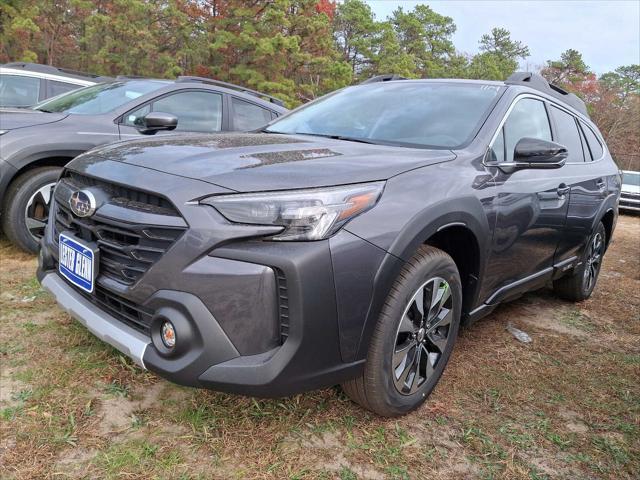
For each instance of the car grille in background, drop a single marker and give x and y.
(127, 250)
(630, 201)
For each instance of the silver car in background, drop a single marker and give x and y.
(630, 194)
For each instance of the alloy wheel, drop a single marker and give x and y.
(36, 212)
(422, 335)
(594, 259)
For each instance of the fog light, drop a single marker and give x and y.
(168, 334)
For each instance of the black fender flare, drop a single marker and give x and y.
(44, 154)
(608, 205)
(465, 211)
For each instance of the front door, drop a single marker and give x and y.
(531, 208)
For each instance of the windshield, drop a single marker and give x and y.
(100, 98)
(631, 178)
(412, 114)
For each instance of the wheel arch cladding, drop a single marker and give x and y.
(436, 225)
(461, 244)
(608, 222)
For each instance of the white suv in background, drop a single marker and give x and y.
(630, 194)
(25, 84)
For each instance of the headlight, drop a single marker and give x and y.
(311, 214)
(2, 132)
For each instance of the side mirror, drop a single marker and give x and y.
(153, 122)
(535, 153)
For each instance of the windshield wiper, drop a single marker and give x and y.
(43, 110)
(338, 137)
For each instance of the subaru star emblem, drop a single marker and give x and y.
(82, 203)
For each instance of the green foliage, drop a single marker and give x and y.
(571, 68)
(296, 50)
(356, 33)
(626, 79)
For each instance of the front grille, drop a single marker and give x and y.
(123, 310)
(283, 304)
(123, 196)
(127, 250)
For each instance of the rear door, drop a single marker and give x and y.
(587, 179)
(531, 206)
(196, 110)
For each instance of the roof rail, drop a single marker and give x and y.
(40, 68)
(219, 83)
(538, 82)
(383, 78)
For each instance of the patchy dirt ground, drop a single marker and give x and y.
(566, 405)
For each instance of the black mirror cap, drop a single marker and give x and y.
(155, 121)
(539, 153)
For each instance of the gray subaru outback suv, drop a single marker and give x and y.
(345, 243)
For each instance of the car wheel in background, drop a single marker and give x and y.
(414, 336)
(26, 207)
(580, 284)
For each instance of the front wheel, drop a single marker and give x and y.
(580, 284)
(26, 208)
(414, 336)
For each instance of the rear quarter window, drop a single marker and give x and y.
(248, 116)
(594, 144)
(57, 88)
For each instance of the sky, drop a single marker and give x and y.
(606, 32)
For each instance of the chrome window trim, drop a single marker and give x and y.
(502, 122)
(583, 125)
(522, 96)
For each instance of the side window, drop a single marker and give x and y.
(248, 116)
(57, 88)
(527, 119)
(196, 111)
(594, 144)
(568, 134)
(19, 91)
(496, 152)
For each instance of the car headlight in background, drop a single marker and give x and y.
(311, 214)
(2, 132)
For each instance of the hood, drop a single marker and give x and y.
(11, 118)
(259, 161)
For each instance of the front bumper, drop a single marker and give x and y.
(227, 291)
(107, 328)
(309, 359)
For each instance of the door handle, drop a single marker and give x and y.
(563, 189)
(600, 183)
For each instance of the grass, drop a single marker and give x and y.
(76, 408)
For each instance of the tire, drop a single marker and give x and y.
(29, 190)
(381, 388)
(579, 285)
